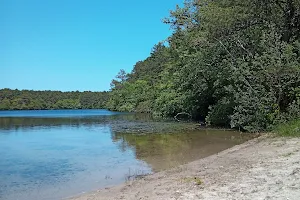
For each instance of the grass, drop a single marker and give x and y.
(195, 180)
(290, 129)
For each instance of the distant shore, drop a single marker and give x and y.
(262, 168)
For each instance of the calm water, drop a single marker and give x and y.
(57, 154)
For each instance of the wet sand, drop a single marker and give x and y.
(262, 168)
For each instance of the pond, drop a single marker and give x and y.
(62, 153)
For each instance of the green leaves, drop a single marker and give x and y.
(37, 100)
(230, 62)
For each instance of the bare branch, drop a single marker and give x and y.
(182, 113)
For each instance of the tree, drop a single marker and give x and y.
(230, 62)
(36, 100)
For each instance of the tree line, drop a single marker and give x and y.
(45, 100)
(229, 62)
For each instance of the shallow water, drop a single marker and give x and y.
(57, 154)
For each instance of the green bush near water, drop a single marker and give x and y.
(289, 129)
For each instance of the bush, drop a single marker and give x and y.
(289, 129)
(219, 114)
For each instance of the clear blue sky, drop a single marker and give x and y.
(76, 44)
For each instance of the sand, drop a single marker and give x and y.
(262, 168)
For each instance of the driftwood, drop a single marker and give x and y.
(182, 113)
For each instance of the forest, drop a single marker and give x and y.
(232, 63)
(48, 100)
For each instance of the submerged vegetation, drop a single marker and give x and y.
(230, 63)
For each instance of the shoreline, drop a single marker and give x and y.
(261, 168)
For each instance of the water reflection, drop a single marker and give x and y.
(163, 151)
(56, 156)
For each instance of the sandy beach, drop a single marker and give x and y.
(262, 168)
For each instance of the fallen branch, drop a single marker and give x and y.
(182, 113)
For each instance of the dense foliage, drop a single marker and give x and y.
(37, 100)
(289, 129)
(231, 62)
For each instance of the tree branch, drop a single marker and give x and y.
(182, 113)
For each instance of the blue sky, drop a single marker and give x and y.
(76, 44)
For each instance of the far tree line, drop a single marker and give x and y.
(47, 100)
